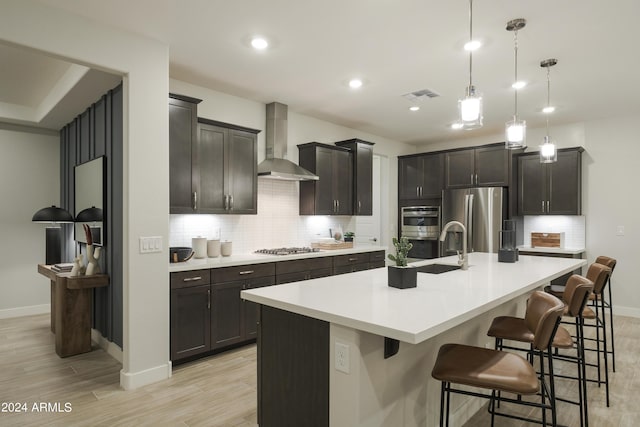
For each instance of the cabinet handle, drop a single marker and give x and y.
(246, 272)
(417, 191)
(192, 279)
(208, 299)
(543, 206)
(547, 206)
(353, 259)
(338, 203)
(230, 202)
(476, 179)
(359, 206)
(195, 200)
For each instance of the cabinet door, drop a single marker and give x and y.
(409, 177)
(532, 193)
(432, 173)
(190, 321)
(251, 309)
(460, 169)
(342, 182)
(242, 172)
(210, 166)
(226, 314)
(363, 196)
(492, 167)
(324, 186)
(182, 129)
(564, 181)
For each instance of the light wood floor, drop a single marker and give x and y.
(216, 391)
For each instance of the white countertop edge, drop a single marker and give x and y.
(253, 258)
(568, 251)
(401, 335)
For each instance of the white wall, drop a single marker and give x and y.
(144, 64)
(29, 181)
(231, 109)
(609, 181)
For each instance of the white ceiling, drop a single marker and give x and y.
(396, 46)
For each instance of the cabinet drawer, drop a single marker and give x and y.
(377, 264)
(186, 279)
(350, 259)
(350, 268)
(242, 272)
(297, 265)
(377, 256)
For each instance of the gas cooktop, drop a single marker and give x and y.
(287, 251)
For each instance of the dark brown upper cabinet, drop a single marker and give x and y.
(550, 188)
(362, 166)
(486, 166)
(420, 176)
(331, 194)
(183, 121)
(212, 165)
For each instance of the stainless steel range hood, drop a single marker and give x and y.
(275, 165)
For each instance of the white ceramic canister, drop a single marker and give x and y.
(213, 248)
(225, 248)
(199, 245)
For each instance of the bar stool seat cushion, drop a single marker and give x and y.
(588, 313)
(485, 368)
(515, 329)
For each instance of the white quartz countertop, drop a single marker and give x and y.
(568, 251)
(363, 301)
(253, 258)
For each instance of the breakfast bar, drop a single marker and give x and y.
(321, 342)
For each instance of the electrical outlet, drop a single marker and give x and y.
(620, 230)
(342, 357)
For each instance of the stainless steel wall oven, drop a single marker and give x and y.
(421, 225)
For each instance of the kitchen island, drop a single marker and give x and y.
(321, 343)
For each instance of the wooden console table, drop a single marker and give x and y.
(71, 309)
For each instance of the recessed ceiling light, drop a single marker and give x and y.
(355, 83)
(549, 109)
(456, 125)
(519, 84)
(259, 43)
(472, 45)
(414, 108)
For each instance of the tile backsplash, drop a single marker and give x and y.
(277, 223)
(573, 227)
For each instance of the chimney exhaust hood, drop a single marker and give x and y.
(275, 165)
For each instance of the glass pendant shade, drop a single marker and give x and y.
(516, 133)
(470, 109)
(548, 152)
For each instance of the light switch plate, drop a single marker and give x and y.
(150, 244)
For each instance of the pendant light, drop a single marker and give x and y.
(470, 107)
(516, 130)
(548, 152)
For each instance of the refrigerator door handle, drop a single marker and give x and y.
(470, 223)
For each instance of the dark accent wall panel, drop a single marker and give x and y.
(98, 132)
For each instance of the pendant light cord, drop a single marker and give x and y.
(470, 39)
(548, 99)
(515, 49)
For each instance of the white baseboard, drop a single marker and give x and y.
(31, 310)
(626, 311)
(133, 380)
(111, 348)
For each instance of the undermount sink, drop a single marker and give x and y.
(437, 268)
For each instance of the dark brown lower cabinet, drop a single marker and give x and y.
(190, 321)
(358, 262)
(562, 280)
(303, 269)
(293, 370)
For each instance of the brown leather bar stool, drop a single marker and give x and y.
(501, 371)
(575, 297)
(608, 304)
(599, 274)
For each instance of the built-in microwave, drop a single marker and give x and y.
(421, 222)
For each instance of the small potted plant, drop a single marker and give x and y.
(400, 275)
(348, 236)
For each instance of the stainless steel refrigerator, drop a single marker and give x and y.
(481, 210)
